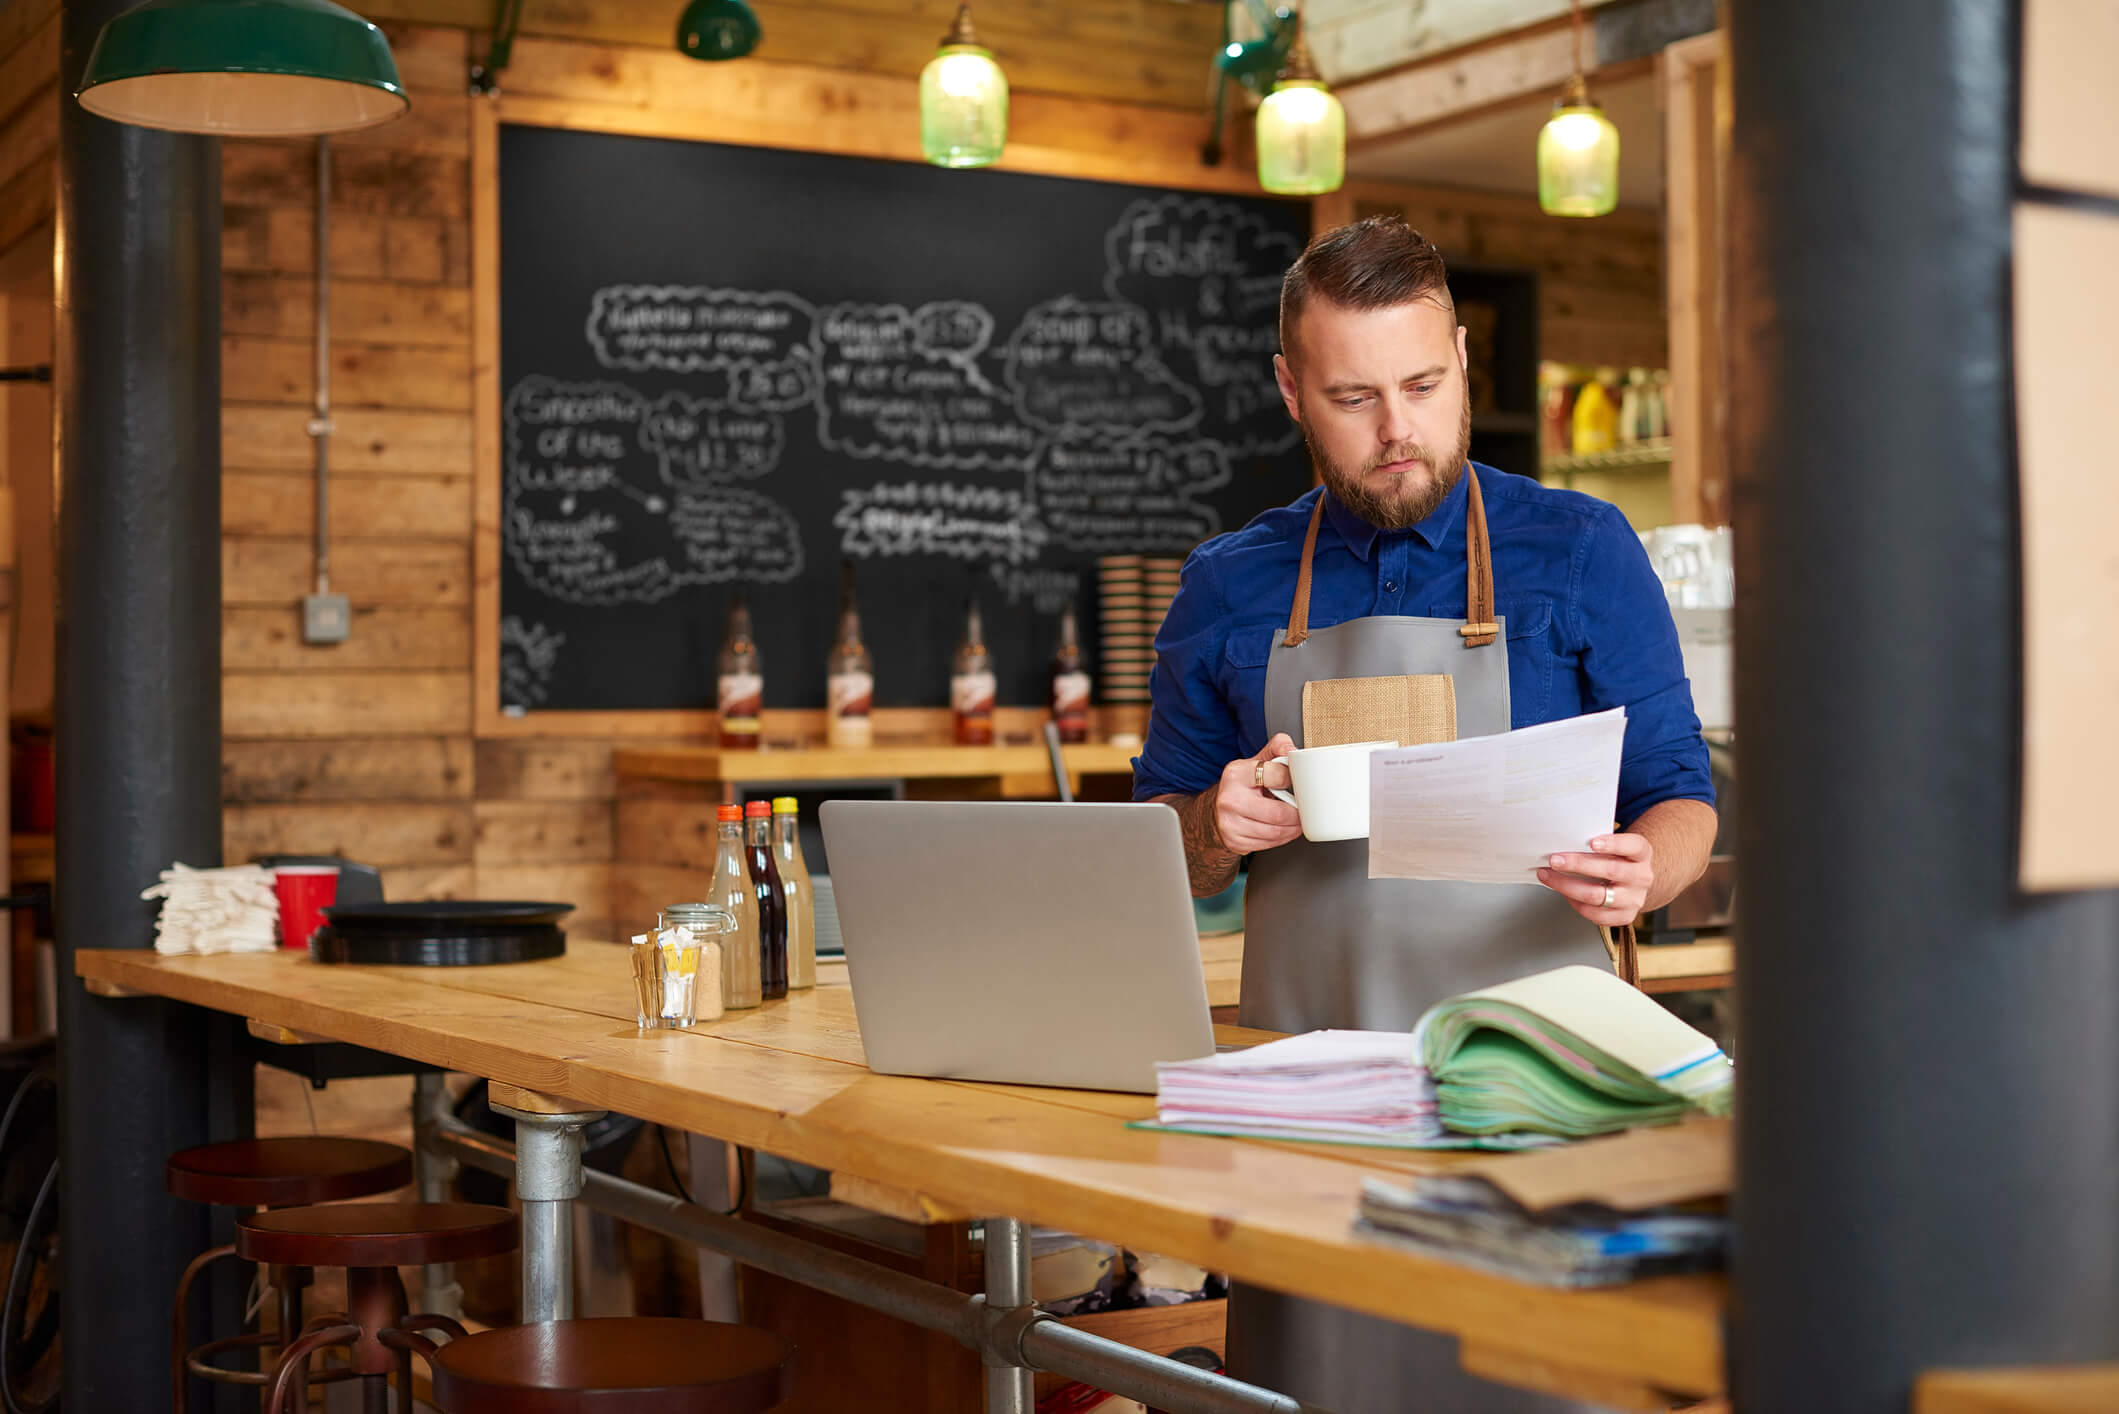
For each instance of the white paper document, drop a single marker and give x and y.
(1494, 809)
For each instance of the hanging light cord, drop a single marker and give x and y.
(1576, 7)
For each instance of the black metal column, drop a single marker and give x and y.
(1929, 1061)
(138, 714)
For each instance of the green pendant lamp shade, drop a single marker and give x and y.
(717, 29)
(1578, 157)
(263, 68)
(1578, 149)
(963, 101)
(1301, 131)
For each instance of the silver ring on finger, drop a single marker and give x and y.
(1607, 895)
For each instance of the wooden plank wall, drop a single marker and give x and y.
(29, 118)
(366, 747)
(1600, 283)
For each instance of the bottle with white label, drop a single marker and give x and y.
(1070, 681)
(849, 675)
(741, 682)
(972, 686)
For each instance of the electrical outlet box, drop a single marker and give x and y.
(326, 618)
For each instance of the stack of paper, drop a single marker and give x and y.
(1604, 1210)
(1350, 1086)
(1570, 1052)
(1469, 1220)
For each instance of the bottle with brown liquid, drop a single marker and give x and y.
(972, 686)
(849, 675)
(741, 682)
(1070, 681)
(772, 900)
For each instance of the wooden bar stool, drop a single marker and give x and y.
(605, 1365)
(267, 1173)
(371, 1241)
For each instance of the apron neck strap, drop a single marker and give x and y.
(1299, 616)
(1479, 626)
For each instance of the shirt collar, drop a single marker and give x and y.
(1360, 535)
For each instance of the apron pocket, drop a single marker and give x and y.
(1528, 623)
(1411, 710)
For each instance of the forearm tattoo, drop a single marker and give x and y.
(1210, 863)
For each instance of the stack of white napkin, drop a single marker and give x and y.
(216, 910)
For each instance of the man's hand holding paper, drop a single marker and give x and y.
(1517, 808)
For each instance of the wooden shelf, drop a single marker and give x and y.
(876, 763)
(1642, 456)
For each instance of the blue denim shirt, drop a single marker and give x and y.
(1588, 628)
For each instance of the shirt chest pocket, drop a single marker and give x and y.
(1242, 679)
(1531, 655)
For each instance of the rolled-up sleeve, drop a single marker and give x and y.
(1192, 733)
(1630, 658)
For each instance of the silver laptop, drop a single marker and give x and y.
(1036, 943)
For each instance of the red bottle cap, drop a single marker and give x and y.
(756, 810)
(729, 812)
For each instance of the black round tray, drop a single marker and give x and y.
(443, 915)
(463, 945)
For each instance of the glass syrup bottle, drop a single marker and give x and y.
(1070, 681)
(772, 899)
(801, 896)
(742, 972)
(972, 686)
(849, 675)
(740, 683)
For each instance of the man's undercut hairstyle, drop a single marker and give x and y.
(1378, 262)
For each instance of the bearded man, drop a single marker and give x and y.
(1475, 593)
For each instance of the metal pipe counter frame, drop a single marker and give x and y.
(1010, 1334)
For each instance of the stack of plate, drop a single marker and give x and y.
(1127, 636)
(1158, 582)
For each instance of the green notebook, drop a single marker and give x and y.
(1571, 1052)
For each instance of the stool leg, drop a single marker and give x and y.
(289, 1282)
(290, 1369)
(548, 1180)
(180, 1325)
(431, 1171)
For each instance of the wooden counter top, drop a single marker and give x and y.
(875, 763)
(789, 1078)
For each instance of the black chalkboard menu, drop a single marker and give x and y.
(727, 367)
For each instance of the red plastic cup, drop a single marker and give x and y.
(305, 891)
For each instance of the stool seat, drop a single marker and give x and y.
(377, 1234)
(615, 1365)
(285, 1173)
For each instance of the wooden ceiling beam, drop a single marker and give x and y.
(1524, 65)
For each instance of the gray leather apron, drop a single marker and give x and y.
(1327, 946)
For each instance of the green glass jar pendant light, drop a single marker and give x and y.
(717, 29)
(1578, 149)
(963, 101)
(262, 68)
(1301, 130)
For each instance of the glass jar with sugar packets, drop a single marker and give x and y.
(677, 968)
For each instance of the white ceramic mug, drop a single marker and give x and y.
(1331, 789)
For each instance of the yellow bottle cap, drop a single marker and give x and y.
(783, 805)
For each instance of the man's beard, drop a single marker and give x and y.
(1416, 494)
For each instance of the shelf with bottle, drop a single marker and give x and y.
(1585, 411)
(1641, 456)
